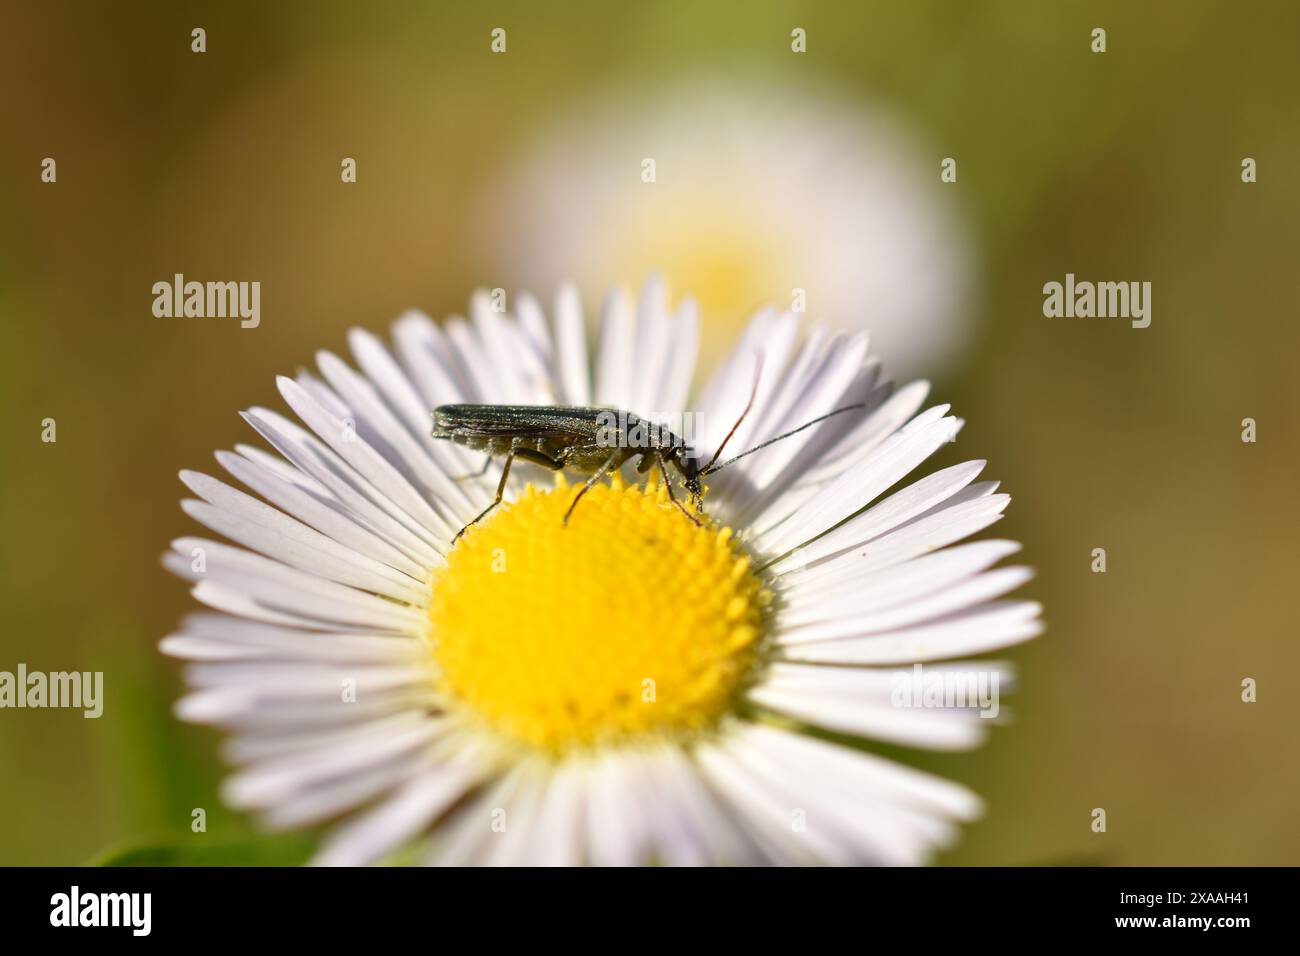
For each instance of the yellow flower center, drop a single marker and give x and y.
(629, 622)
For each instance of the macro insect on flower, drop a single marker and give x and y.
(597, 441)
(642, 684)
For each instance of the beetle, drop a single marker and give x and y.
(591, 440)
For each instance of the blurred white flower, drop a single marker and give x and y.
(761, 188)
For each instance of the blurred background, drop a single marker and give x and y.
(775, 171)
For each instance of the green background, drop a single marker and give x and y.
(1122, 165)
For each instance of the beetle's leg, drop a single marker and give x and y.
(604, 470)
(527, 454)
(539, 458)
(668, 484)
(487, 463)
(501, 490)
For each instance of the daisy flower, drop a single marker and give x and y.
(633, 686)
(762, 186)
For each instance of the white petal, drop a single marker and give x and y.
(898, 508)
(681, 363)
(893, 414)
(400, 447)
(571, 348)
(669, 796)
(463, 839)
(400, 817)
(731, 384)
(862, 824)
(614, 360)
(858, 487)
(265, 784)
(232, 601)
(281, 588)
(368, 463)
(847, 615)
(965, 513)
(803, 592)
(501, 348)
(328, 799)
(870, 775)
(288, 472)
(988, 627)
(262, 528)
(398, 391)
(877, 718)
(423, 351)
(278, 744)
(292, 680)
(556, 834)
(818, 383)
(766, 359)
(512, 845)
(263, 642)
(363, 501)
(681, 783)
(763, 810)
(245, 709)
(324, 517)
(651, 349)
(617, 831)
(485, 384)
(834, 452)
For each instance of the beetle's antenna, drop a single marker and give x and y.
(711, 469)
(753, 393)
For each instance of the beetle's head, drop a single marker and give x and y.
(692, 477)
